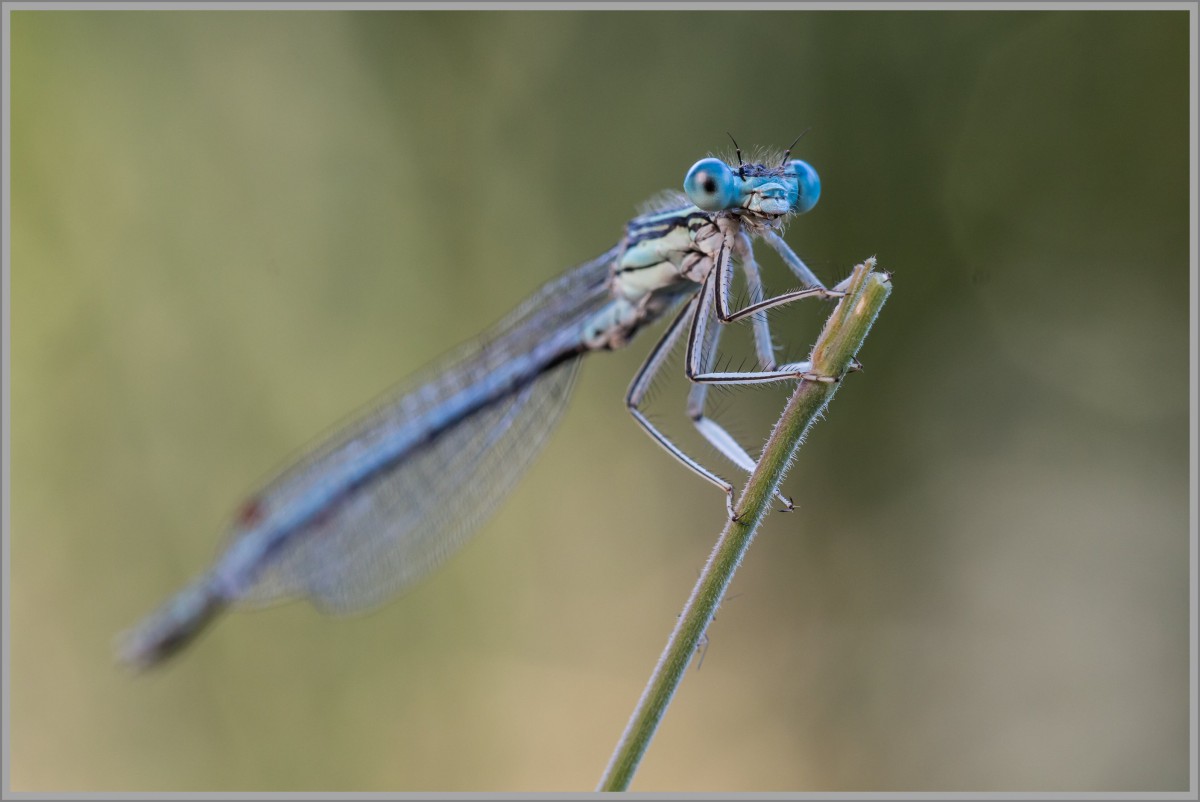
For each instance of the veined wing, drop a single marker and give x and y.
(463, 430)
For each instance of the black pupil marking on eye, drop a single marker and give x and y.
(710, 184)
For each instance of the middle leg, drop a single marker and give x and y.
(695, 368)
(716, 434)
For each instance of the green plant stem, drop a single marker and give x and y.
(833, 355)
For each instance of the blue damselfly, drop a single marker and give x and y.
(385, 500)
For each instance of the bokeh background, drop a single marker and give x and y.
(230, 230)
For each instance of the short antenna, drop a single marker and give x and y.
(788, 152)
(738, 151)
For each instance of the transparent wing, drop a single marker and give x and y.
(405, 524)
(384, 534)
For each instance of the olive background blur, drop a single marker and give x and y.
(232, 230)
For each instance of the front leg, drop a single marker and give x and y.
(694, 366)
(724, 278)
(794, 262)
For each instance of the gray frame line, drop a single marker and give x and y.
(1192, 6)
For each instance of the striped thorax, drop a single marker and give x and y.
(666, 254)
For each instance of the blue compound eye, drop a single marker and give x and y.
(711, 185)
(809, 184)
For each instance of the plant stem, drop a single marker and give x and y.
(833, 355)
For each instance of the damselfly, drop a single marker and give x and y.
(389, 497)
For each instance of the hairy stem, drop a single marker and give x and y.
(833, 355)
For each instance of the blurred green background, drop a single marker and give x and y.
(230, 230)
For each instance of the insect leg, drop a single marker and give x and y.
(713, 432)
(694, 366)
(764, 346)
(641, 384)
